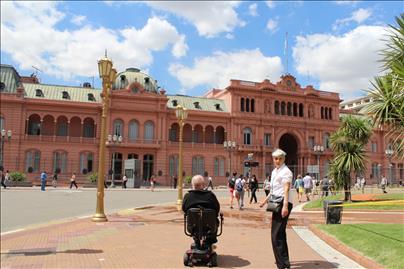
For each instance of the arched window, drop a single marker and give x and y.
(295, 110)
(218, 166)
(173, 165)
(61, 126)
(252, 105)
(88, 128)
(242, 104)
(86, 162)
(326, 140)
(277, 107)
(290, 109)
(301, 110)
(32, 161)
(247, 104)
(133, 131)
(283, 108)
(322, 112)
(330, 113)
(247, 136)
(34, 125)
(60, 161)
(149, 131)
(118, 127)
(326, 113)
(198, 165)
(174, 132)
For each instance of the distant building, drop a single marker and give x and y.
(57, 128)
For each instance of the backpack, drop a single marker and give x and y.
(317, 183)
(239, 186)
(232, 181)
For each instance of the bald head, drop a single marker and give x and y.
(198, 182)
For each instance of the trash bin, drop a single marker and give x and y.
(332, 211)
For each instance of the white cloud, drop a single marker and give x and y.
(352, 3)
(78, 19)
(217, 70)
(272, 25)
(270, 4)
(345, 63)
(57, 52)
(252, 10)
(229, 36)
(357, 16)
(210, 18)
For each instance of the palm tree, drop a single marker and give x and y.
(348, 144)
(387, 107)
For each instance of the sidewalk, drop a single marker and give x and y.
(150, 238)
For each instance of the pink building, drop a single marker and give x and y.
(57, 128)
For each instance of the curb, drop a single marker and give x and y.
(344, 249)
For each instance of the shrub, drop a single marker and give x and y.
(92, 177)
(188, 179)
(17, 176)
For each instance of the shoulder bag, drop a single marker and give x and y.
(275, 203)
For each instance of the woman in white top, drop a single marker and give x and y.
(281, 180)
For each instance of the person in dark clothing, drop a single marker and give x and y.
(175, 179)
(199, 197)
(253, 185)
(3, 179)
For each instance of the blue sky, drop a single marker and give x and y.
(191, 47)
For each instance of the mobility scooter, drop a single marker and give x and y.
(200, 224)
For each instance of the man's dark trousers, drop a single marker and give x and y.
(278, 235)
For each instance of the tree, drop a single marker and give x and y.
(348, 144)
(387, 107)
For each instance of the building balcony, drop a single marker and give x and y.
(140, 143)
(196, 145)
(61, 139)
(250, 148)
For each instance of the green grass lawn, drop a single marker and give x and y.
(318, 204)
(383, 243)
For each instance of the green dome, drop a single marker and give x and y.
(131, 75)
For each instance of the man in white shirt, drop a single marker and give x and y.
(281, 180)
(307, 185)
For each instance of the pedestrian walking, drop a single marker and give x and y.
(210, 183)
(363, 184)
(299, 186)
(124, 180)
(383, 184)
(281, 186)
(152, 182)
(54, 180)
(240, 191)
(3, 179)
(73, 181)
(43, 180)
(231, 184)
(308, 185)
(332, 186)
(325, 186)
(175, 179)
(267, 185)
(253, 185)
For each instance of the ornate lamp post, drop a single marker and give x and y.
(318, 150)
(389, 153)
(5, 135)
(114, 140)
(182, 115)
(107, 74)
(229, 146)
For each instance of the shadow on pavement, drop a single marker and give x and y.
(50, 251)
(313, 264)
(230, 261)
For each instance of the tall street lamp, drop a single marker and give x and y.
(229, 146)
(389, 153)
(112, 141)
(5, 135)
(318, 150)
(107, 74)
(182, 115)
